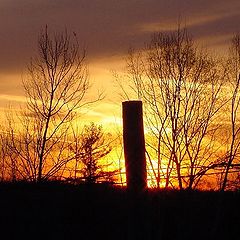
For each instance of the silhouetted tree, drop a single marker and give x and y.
(233, 148)
(180, 87)
(90, 147)
(9, 162)
(3, 154)
(55, 89)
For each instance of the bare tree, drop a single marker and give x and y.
(9, 170)
(233, 149)
(55, 89)
(3, 154)
(180, 87)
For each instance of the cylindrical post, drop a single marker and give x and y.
(134, 145)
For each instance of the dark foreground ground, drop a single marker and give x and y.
(60, 211)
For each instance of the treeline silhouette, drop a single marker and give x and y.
(55, 210)
(41, 141)
(191, 112)
(191, 106)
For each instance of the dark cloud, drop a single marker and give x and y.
(106, 27)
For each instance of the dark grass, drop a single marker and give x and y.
(63, 211)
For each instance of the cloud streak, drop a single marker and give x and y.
(107, 28)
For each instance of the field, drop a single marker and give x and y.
(64, 211)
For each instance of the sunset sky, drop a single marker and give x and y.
(106, 28)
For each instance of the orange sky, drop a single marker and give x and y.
(107, 29)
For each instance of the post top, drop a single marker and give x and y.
(132, 102)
